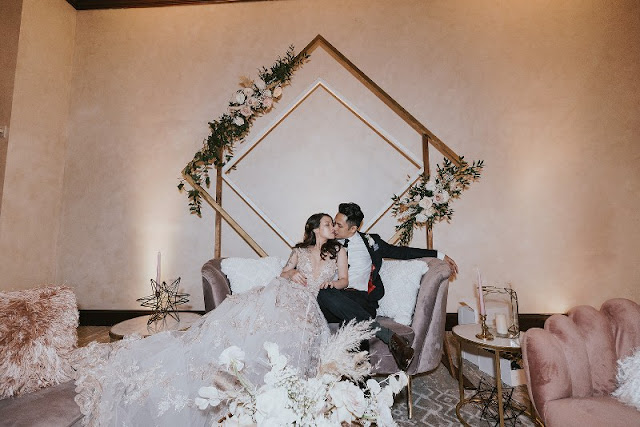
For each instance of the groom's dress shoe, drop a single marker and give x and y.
(401, 351)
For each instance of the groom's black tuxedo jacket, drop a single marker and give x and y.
(380, 249)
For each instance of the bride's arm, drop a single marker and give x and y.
(343, 272)
(289, 271)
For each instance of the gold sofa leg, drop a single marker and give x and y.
(409, 397)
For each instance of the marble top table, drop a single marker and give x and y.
(138, 325)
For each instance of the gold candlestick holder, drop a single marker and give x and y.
(484, 333)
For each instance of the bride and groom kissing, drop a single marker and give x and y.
(358, 298)
(331, 276)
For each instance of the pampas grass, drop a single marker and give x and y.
(340, 357)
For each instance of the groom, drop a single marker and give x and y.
(359, 300)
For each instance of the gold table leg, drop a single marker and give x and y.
(499, 386)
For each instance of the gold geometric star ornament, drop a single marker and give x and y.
(164, 300)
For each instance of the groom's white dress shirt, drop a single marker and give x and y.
(359, 263)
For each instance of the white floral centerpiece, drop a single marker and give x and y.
(331, 398)
(429, 200)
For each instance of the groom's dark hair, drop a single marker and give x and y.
(352, 212)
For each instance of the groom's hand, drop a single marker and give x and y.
(452, 265)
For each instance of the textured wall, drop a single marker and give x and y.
(10, 12)
(31, 202)
(546, 92)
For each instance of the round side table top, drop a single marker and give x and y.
(467, 333)
(138, 325)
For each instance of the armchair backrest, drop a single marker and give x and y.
(576, 355)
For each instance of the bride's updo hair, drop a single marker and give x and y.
(331, 247)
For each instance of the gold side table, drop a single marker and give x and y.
(138, 325)
(467, 334)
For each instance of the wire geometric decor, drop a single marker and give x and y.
(164, 300)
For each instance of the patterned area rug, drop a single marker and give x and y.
(435, 397)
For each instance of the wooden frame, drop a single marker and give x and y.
(428, 139)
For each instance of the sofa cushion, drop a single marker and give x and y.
(590, 411)
(246, 273)
(52, 406)
(37, 335)
(401, 284)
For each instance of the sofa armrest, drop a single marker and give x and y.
(546, 368)
(215, 285)
(429, 317)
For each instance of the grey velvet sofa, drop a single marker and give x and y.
(426, 333)
(49, 407)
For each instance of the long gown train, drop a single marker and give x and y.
(153, 381)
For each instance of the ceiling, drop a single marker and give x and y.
(119, 4)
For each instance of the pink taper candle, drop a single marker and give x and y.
(158, 270)
(482, 311)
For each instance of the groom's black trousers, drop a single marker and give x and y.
(343, 305)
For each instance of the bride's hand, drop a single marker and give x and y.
(298, 278)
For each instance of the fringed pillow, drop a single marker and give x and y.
(38, 332)
(628, 377)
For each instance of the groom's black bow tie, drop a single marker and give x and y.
(345, 243)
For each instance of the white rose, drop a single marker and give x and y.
(272, 406)
(430, 212)
(246, 111)
(421, 218)
(430, 185)
(347, 396)
(253, 101)
(247, 91)
(267, 93)
(277, 92)
(260, 84)
(238, 97)
(267, 102)
(239, 121)
(441, 197)
(232, 356)
(425, 203)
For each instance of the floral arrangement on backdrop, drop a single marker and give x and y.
(331, 398)
(253, 99)
(429, 200)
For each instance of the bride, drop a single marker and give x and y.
(154, 381)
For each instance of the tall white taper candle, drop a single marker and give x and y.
(158, 270)
(482, 311)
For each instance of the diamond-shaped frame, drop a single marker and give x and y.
(318, 84)
(428, 139)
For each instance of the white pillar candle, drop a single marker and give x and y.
(501, 324)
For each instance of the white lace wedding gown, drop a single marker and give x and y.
(153, 381)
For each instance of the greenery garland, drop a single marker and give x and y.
(254, 99)
(428, 200)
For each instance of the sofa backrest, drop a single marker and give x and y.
(576, 355)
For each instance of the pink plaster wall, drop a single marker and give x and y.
(10, 13)
(32, 193)
(546, 92)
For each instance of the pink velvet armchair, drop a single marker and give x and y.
(571, 365)
(426, 332)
